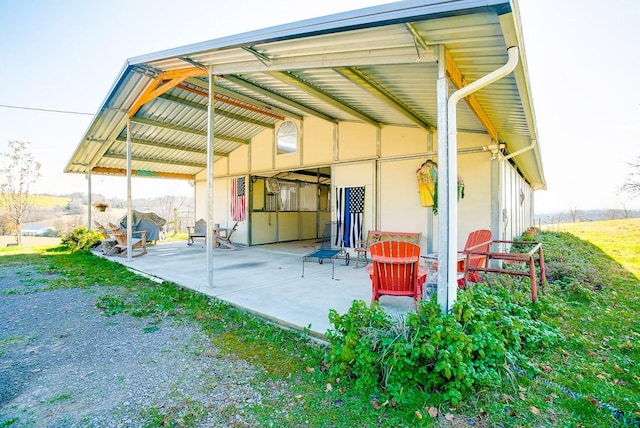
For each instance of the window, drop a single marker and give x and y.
(287, 138)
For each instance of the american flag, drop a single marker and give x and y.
(350, 212)
(238, 200)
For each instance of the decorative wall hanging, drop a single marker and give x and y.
(350, 212)
(427, 176)
(238, 199)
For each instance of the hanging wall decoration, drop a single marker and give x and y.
(238, 199)
(350, 213)
(427, 176)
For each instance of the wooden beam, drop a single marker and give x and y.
(155, 160)
(221, 97)
(198, 83)
(219, 112)
(123, 171)
(458, 80)
(164, 82)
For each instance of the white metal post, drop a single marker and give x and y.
(129, 201)
(210, 158)
(89, 201)
(445, 273)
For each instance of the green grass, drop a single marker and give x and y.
(592, 297)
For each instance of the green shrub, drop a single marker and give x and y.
(81, 238)
(438, 357)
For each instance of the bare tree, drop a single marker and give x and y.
(575, 214)
(169, 205)
(632, 185)
(611, 213)
(626, 212)
(18, 171)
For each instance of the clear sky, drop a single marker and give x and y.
(583, 57)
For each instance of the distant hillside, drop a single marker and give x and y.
(46, 201)
(587, 215)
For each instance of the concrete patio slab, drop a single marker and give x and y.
(267, 281)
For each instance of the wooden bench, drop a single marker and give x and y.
(529, 258)
(374, 236)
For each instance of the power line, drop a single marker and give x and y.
(47, 110)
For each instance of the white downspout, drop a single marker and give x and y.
(449, 257)
(522, 150)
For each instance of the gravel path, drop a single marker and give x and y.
(65, 364)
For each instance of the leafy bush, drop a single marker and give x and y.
(442, 357)
(81, 238)
(571, 261)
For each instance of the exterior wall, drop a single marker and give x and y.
(317, 141)
(384, 161)
(221, 206)
(517, 202)
(356, 174)
(262, 151)
(400, 207)
(474, 210)
(356, 141)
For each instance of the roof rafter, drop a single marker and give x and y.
(122, 156)
(248, 85)
(174, 147)
(459, 82)
(297, 82)
(369, 84)
(354, 58)
(269, 109)
(456, 77)
(219, 112)
(195, 131)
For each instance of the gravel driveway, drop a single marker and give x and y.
(65, 364)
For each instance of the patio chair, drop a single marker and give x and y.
(326, 251)
(478, 241)
(102, 230)
(395, 270)
(223, 237)
(107, 242)
(138, 245)
(197, 231)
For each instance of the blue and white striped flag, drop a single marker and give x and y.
(350, 212)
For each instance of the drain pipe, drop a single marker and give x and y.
(522, 150)
(449, 258)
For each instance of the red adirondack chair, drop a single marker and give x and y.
(395, 270)
(479, 241)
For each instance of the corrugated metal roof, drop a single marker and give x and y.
(376, 65)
